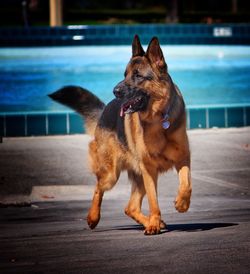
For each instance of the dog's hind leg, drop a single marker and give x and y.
(94, 213)
(104, 183)
(107, 175)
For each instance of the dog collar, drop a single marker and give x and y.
(165, 121)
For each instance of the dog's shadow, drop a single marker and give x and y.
(194, 227)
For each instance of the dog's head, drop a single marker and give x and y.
(147, 84)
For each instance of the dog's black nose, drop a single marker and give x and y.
(118, 91)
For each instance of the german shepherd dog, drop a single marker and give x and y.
(143, 131)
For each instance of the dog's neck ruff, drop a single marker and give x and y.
(165, 120)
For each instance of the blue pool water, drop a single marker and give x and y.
(206, 75)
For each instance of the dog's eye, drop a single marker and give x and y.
(136, 72)
(149, 78)
(138, 76)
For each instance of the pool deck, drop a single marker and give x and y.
(49, 177)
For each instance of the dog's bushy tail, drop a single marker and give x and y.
(82, 101)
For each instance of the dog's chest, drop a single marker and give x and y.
(158, 149)
(154, 139)
(150, 148)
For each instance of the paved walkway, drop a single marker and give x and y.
(49, 235)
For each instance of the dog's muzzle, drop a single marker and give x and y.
(133, 98)
(120, 90)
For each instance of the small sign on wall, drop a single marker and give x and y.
(222, 32)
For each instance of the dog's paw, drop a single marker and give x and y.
(182, 203)
(152, 230)
(93, 220)
(163, 225)
(155, 225)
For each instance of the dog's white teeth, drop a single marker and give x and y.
(130, 106)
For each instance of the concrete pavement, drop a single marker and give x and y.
(49, 235)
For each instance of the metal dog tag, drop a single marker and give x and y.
(166, 124)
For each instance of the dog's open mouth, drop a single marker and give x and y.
(136, 103)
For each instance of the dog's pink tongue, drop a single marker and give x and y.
(121, 112)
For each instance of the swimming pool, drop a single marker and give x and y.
(206, 75)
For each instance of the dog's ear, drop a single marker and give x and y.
(137, 49)
(155, 55)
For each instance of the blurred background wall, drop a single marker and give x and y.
(36, 12)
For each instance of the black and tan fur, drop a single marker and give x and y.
(129, 134)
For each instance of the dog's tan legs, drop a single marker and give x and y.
(150, 183)
(133, 208)
(105, 168)
(94, 213)
(182, 200)
(103, 164)
(105, 183)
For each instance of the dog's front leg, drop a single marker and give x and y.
(133, 208)
(182, 201)
(150, 183)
